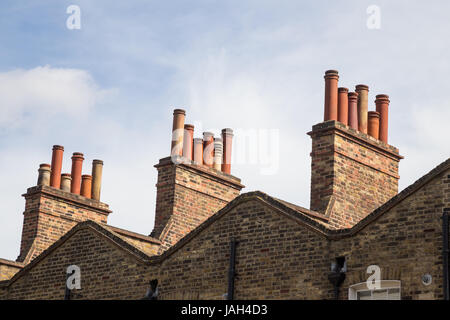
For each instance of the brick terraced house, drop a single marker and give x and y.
(211, 242)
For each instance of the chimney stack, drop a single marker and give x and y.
(363, 100)
(331, 95)
(374, 123)
(177, 132)
(227, 140)
(188, 141)
(208, 149)
(218, 153)
(353, 110)
(86, 185)
(198, 151)
(57, 157)
(382, 106)
(44, 175)
(343, 105)
(77, 164)
(97, 171)
(66, 181)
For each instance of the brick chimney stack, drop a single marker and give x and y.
(352, 172)
(191, 190)
(52, 210)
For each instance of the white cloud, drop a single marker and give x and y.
(44, 91)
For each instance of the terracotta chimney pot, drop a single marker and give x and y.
(86, 185)
(374, 124)
(343, 105)
(382, 106)
(57, 158)
(66, 181)
(331, 95)
(208, 149)
(188, 141)
(227, 141)
(363, 100)
(177, 132)
(44, 175)
(353, 110)
(77, 165)
(198, 151)
(97, 171)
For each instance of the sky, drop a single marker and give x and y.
(108, 89)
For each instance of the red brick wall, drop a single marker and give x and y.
(186, 196)
(50, 213)
(359, 172)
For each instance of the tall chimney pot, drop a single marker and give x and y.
(57, 158)
(343, 105)
(44, 175)
(227, 141)
(218, 153)
(208, 149)
(188, 143)
(97, 171)
(363, 96)
(77, 165)
(382, 105)
(331, 95)
(177, 132)
(353, 110)
(198, 151)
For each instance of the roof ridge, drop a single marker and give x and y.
(121, 243)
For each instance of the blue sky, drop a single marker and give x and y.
(108, 89)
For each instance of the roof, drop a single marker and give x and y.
(132, 235)
(310, 219)
(11, 263)
(102, 230)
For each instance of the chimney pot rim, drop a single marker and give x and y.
(382, 97)
(342, 89)
(189, 126)
(86, 176)
(362, 87)
(179, 111)
(373, 114)
(58, 147)
(97, 161)
(227, 131)
(44, 165)
(66, 175)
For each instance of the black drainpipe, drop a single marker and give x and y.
(67, 293)
(232, 270)
(445, 252)
(337, 275)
